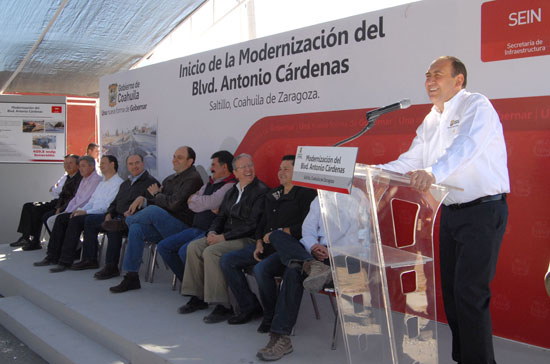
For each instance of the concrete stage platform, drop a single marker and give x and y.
(69, 317)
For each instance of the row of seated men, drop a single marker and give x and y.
(209, 234)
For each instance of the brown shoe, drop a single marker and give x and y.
(319, 274)
(114, 225)
(277, 347)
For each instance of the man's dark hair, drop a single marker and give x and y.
(191, 154)
(112, 159)
(73, 156)
(131, 154)
(224, 157)
(458, 68)
(289, 157)
(92, 146)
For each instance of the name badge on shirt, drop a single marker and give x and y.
(454, 123)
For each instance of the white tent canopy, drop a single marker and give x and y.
(64, 46)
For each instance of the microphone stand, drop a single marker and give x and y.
(370, 124)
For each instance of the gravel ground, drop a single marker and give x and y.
(12, 350)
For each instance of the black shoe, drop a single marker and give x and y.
(31, 245)
(44, 262)
(220, 313)
(109, 271)
(59, 268)
(264, 327)
(244, 317)
(130, 281)
(114, 225)
(20, 242)
(194, 304)
(85, 264)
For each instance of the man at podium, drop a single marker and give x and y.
(461, 143)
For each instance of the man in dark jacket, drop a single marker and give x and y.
(165, 214)
(286, 207)
(232, 229)
(33, 213)
(208, 199)
(136, 185)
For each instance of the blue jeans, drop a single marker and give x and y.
(288, 303)
(173, 249)
(232, 265)
(150, 224)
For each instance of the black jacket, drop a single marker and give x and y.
(283, 211)
(176, 190)
(127, 193)
(239, 220)
(68, 191)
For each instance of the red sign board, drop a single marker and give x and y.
(514, 29)
(57, 109)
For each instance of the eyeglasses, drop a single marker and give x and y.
(246, 166)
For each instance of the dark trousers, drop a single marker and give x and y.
(232, 265)
(292, 254)
(75, 226)
(57, 235)
(92, 227)
(469, 241)
(30, 222)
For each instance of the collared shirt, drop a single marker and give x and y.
(58, 186)
(313, 231)
(103, 195)
(85, 190)
(463, 146)
(201, 202)
(241, 190)
(135, 178)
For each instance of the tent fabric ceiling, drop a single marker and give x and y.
(89, 39)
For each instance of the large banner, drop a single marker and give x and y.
(312, 86)
(32, 128)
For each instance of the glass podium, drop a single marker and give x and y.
(381, 251)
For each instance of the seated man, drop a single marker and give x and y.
(166, 214)
(30, 223)
(292, 254)
(87, 186)
(232, 229)
(286, 207)
(136, 185)
(97, 205)
(173, 249)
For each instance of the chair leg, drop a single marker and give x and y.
(336, 318)
(100, 248)
(174, 282)
(148, 263)
(153, 262)
(315, 307)
(122, 252)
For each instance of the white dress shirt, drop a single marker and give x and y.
(463, 147)
(103, 195)
(312, 227)
(58, 186)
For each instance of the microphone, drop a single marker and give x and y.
(373, 115)
(403, 104)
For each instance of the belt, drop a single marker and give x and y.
(456, 206)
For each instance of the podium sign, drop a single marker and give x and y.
(381, 251)
(326, 168)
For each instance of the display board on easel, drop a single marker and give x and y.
(32, 128)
